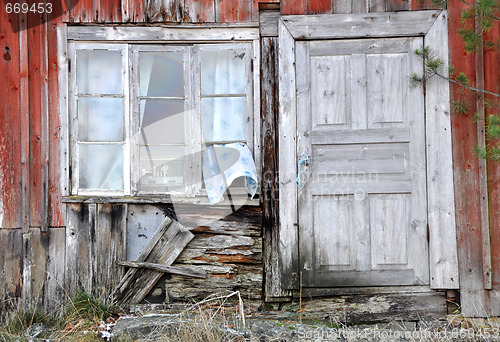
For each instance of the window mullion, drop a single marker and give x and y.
(195, 134)
(127, 112)
(134, 118)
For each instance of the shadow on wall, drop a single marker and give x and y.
(35, 12)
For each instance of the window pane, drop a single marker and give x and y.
(99, 72)
(101, 166)
(223, 118)
(161, 74)
(162, 168)
(223, 72)
(162, 121)
(100, 119)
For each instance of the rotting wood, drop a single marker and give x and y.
(163, 248)
(80, 237)
(269, 184)
(165, 269)
(109, 246)
(376, 308)
(221, 278)
(11, 263)
(47, 271)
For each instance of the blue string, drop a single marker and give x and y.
(303, 161)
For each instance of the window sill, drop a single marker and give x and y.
(237, 200)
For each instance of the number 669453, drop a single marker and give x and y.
(26, 8)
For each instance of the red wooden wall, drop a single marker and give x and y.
(30, 190)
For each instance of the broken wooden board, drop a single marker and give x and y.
(165, 269)
(163, 248)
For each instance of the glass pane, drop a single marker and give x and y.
(100, 119)
(101, 166)
(161, 74)
(223, 118)
(162, 121)
(99, 72)
(223, 72)
(162, 168)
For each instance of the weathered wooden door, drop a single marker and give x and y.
(362, 204)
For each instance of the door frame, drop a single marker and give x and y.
(432, 25)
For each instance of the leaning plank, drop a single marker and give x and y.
(165, 269)
(163, 248)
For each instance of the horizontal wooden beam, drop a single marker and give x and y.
(165, 269)
(362, 25)
(164, 33)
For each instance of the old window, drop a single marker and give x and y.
(141, 114)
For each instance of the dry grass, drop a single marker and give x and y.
(222, 318)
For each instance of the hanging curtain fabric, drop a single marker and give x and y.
(222, 164)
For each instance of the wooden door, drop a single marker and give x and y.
(362, 202)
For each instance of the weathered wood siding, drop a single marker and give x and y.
(478, 243)
(31, 151)
(227, 247)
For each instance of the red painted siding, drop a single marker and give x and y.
(10, 125)
(492, 83)
(55, 206)
(234, 11)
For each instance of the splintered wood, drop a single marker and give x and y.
(164, 247)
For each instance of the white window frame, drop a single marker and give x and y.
(73, 105)
(132, 38)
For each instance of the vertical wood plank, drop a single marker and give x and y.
(81, 11)
(415, 106)
(342, 6)
(422, 5)
(11, 263)
(110, 246)
(199, 11)
(307, 212)
(47, 270)
(270, 186)
(234, 11)
(80, 234)
(441, 205)
(56, 211)
(359, 112)
(44, 134)
(377, 5)
(110, 11)
(36, 69)
(62, 80)
(163, 10)
(11, 174)
(473, 298)
(492, 83)
(396, 5)
(320, 7)
(294, 7)
(25, 123)
(483, 175)
(124, 6)
(360, 6)
(136, 11)
(288, 238)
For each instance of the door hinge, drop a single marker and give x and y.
(69, 65)
(428, 233)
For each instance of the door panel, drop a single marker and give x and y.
(362, 200)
